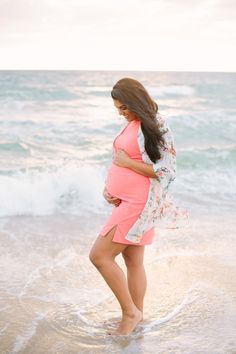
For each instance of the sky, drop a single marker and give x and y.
(152, 35)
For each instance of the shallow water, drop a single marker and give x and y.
(54, 301)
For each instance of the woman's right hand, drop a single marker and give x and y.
(110, 199)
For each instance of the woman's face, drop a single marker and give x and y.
(122, 109)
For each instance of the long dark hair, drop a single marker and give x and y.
(135, 97)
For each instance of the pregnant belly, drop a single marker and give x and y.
(127, 185)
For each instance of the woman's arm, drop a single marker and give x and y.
(122, 159)
(142, 168)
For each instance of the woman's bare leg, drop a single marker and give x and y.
(102, 255)
(136, 276)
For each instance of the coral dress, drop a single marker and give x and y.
(131, 187)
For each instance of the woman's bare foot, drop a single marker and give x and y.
(128, 323)
(139, 321)
(118, 322)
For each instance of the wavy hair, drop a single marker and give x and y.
(135, 97)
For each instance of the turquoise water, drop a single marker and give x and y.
(56, 133)
(57, 130)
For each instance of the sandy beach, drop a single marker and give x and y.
(53, 301)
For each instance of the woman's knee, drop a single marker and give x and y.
(132, 260)
(95, 258)
(99, 258)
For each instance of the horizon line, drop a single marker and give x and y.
(125, 70)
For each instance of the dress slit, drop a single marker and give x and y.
(111, 228)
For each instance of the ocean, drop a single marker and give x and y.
(56, 134)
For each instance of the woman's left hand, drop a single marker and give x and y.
(121, 158)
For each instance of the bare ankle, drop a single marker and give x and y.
(131, 312)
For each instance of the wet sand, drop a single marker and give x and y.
(52, 300)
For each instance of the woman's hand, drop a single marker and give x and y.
(121, 158)
(110, 199)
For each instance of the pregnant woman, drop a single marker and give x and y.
(137, 182)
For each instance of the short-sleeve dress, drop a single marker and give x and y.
(131, 187)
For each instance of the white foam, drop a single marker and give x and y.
(71, 188)
(22, 340)
(180, 90)
(186, 301)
